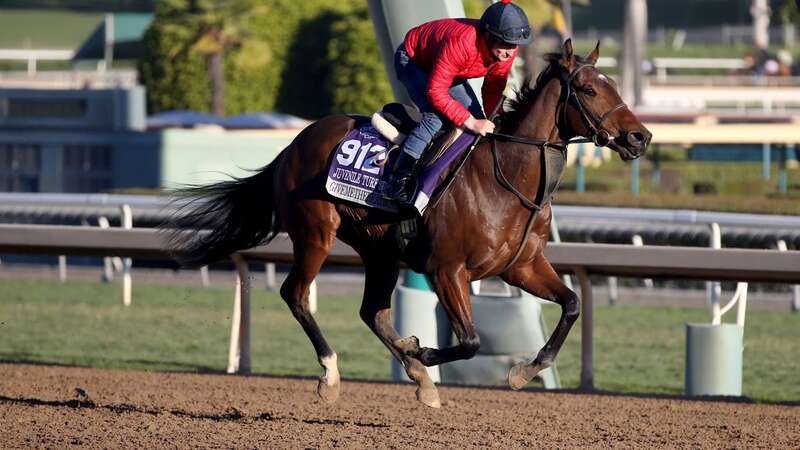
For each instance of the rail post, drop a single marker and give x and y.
(795, 304)
(204, 279)
(587, 324)
(312, 297)
(269, 273)
(714, 288)
(239, 348)
(108, 267)
(639, 242)
(635, 177)
(62, 268)
(580, 170)
(127, 223)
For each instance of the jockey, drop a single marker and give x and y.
(434, 63)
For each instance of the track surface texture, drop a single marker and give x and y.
(57, 407)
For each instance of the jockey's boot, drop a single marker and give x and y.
(402, 181)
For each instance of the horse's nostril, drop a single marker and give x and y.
(636, 138)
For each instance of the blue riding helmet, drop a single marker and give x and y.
(507, 22)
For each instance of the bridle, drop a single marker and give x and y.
(600, 136)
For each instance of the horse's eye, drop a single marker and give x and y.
(589, 91)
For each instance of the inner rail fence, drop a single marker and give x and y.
(577, 224)
(581, 260)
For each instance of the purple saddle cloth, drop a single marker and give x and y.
(360, 168)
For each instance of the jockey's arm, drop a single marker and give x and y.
(442, 77)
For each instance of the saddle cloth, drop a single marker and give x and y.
(363, 160)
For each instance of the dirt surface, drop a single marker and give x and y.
(57, 407)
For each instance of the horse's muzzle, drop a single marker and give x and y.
(634, 142)
(638, 139)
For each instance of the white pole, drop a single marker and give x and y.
(243, 335)
(714, 288)
(312, 297)
(127, 223)
(613, 292)
(62, 268)
(639, 242)
(108, 269)
(269, 272)
(236, 318)
(741, 306)
(204, 276)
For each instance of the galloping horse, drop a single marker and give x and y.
(480, 227)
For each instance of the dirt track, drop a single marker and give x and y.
(41, 407)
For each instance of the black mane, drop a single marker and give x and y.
(519, 107)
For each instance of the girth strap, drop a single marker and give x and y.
(501, 178)
(534, 206)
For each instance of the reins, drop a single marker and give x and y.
(559, 145)
(600, 137)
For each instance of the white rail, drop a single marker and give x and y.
(580, 259)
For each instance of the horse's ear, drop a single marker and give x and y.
(592, 57)
(567, 55)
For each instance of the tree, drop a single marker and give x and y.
(215, 27)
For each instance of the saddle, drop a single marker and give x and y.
(395, 121)
(365, 157)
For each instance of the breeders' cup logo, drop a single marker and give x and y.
(369, 132)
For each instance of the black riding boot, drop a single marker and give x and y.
(402, 182)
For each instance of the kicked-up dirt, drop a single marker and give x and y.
(57, 407)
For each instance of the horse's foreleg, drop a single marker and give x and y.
(381, 277)
(309, 254)
(452, 288)
(541, 280)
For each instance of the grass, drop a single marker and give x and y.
(169, 328)
(641, 349)
(734, 186)
(45, 29)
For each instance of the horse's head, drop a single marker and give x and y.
(592, 106)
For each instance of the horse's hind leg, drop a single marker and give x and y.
(381, 277)
(541, 280)
(310, 251)
(452, 288)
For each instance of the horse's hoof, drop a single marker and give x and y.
(329, 393)
(519, 376)
(522, 373)
(429, 396)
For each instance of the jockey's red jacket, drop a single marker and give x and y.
(453, 50)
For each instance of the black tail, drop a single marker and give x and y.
(238, 214)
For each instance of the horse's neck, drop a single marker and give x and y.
(521, 162)
(541, 122)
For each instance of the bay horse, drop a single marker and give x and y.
(484, 225)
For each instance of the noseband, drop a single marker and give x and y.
(600, 136)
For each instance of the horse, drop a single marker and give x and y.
(483, 225)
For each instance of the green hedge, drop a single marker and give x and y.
(307, 58)
(358, 81)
